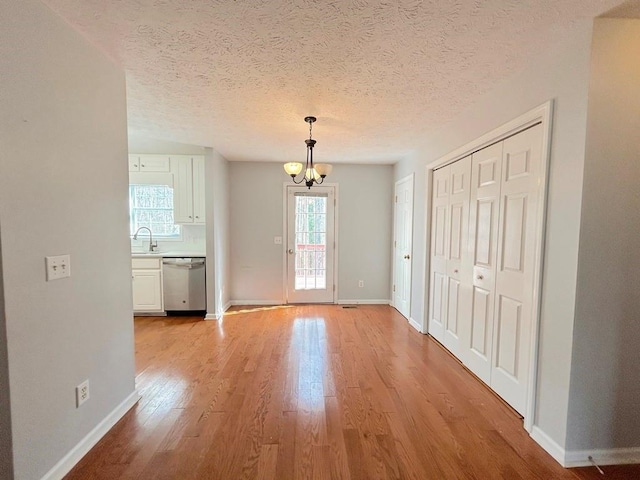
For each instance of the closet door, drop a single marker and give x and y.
(521, 159)
(439, 252)
(483, 233)
(458, 274)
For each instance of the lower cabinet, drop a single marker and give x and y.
(146, 279)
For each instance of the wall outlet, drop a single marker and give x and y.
(82, 393)
(58, 267)
(277, 240)
(361, 283)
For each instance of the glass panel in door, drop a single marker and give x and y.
(310, 245)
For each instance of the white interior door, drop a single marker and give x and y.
(521, 163)
(483, 230)
(310, 244)
(439, 252)
(458, 271)
(403, 238)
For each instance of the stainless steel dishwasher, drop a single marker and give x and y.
(184, 284)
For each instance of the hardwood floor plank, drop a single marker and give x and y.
(268, 462)
(285, 467)
(312, 392)
(339, 466)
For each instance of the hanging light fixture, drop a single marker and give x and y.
(312, 173)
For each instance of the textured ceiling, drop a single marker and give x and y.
(240, 76)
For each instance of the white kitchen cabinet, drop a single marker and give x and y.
(149, 163)
(188, 189)
(146, 279)
(198, 190)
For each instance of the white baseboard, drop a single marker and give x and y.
(415, 325)
(257, 303)
(218, 316)
(549, 444)
(65, 465)
(614, 456)
(270, 303)
(364, 302)
(580, 458)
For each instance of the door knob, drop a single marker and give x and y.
(290, 251)
(455, 271)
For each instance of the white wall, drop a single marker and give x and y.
(560, 74)
(255, 218)
(63, 190)
(218, 250)
(605, 373)
(364, 231)
(6, 456)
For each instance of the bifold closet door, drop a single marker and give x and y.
(484, 213)
(449, 274)
(458, 273)
(439, 252)
(483, 247)
(514, 287)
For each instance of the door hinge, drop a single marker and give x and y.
(396, 198)
(334, 288)
(394, 288)
(395, 244)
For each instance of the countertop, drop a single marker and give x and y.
(170, 253)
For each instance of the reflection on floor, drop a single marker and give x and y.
(313, 391)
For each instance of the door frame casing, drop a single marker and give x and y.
(542, 114)
(410, 177)
(285, 219)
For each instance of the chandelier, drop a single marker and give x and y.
(312, 173)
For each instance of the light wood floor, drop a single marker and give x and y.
(318, 392)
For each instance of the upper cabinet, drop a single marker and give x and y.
(198, 190)
(188, 189)
(149, 163)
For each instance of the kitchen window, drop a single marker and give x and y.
(152, 206)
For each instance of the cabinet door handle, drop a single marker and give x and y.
(142, 165)
(480, 277)
(455, 271)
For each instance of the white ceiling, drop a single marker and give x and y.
(240, 76)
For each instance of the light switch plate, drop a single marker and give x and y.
(58, 267)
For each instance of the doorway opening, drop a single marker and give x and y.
(311, 243)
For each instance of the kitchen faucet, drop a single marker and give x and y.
(151, 244)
